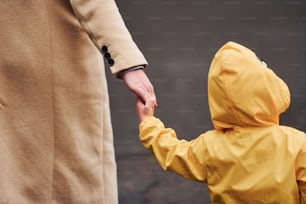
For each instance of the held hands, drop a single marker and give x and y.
(144, 110)
(138, 82)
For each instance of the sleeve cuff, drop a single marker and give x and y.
(123, 72)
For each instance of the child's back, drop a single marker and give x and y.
(253, 165)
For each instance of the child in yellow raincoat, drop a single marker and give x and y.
(248, 157)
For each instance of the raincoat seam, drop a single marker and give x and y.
(231, 102)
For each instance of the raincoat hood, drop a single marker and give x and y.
(243, 91)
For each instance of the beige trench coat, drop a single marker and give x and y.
(56, 143)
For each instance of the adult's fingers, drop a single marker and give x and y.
(138, 82)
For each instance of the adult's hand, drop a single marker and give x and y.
(138, 82)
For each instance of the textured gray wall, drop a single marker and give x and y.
(179, 39)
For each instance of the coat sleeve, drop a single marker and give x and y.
(104, 24)
(183, 157)
(301, 172)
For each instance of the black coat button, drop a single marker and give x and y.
(104, 49)
(107, 55)
(111, 62)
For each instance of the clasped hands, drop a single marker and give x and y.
(138, 82)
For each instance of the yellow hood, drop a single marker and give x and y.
(243, 91)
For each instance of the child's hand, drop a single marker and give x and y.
(144, 110)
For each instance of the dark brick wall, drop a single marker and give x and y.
(179, 38)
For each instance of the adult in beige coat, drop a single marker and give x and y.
(56, 143)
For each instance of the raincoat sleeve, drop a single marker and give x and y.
(301, 172)
(104, 24)
(183, 157)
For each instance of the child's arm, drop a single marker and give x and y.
(180, 156)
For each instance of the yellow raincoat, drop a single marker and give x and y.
(248, 157)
